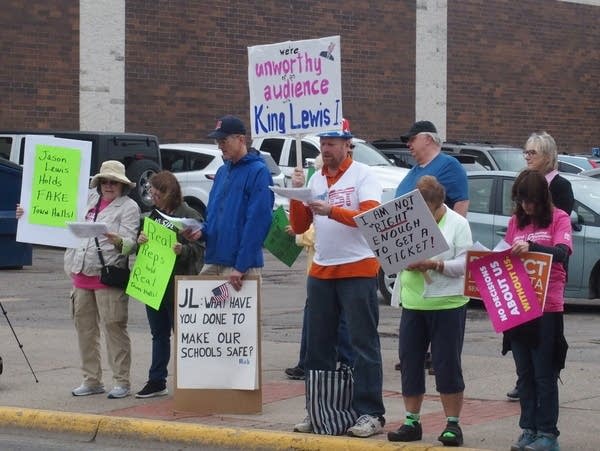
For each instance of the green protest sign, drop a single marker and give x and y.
(153, 265)
(279, 242)
(54, 185)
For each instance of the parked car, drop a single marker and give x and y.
(403, 158)
(580, 161)
(594, 173)
(490, 156)
(283, 151)
(490, 208)
(138, 152)
(195, 166)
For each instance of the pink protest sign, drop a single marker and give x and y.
(505, 289)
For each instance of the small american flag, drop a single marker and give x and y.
(221, 293)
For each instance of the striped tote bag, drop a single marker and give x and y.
(329, 400)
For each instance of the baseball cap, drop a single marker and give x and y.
(228, 125)
(419, 127)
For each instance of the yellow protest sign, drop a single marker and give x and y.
(54, 185)
(153, 265)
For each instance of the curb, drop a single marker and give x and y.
(166, 431)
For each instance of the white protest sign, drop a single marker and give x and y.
(54, 189)
(217, 334)
(295, 87)
(401, 231)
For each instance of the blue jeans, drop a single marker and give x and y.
(356, 298)
(161, 324)
(537, 377)
(345, 353)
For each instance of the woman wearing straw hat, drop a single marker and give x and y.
(96, 304)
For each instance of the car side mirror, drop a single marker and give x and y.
(575, 222)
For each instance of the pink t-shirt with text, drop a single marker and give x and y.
(558, 232)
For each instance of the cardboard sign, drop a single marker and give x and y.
(217, 345)
(537, 265)
(153, 265)
(217, 334)
(295, 87)
(54, 189)
(280, 243)
(505, 289)
(401, 231)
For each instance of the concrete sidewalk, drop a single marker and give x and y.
(488, 421)
(37, 305)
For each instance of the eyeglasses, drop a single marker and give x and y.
(109, 182)
(529, 153)
(220, 142)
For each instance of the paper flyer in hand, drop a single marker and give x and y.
(301, 194)
(183, 223)
(87, 229)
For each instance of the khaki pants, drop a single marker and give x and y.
(220, 270)
(108, 307)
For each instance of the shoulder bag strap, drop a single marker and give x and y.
(95, 238)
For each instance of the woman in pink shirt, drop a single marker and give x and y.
(539, 346)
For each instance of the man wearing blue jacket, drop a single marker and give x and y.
(240, 207)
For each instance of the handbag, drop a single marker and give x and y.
(111, 275)
(114, 276)
(329, 400)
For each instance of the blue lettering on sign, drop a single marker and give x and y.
(265, 122)
(311, 118)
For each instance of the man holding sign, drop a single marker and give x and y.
(342, 279)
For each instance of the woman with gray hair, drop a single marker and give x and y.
(541, 155)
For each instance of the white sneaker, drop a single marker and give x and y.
(365, 426)
(118, 392)
(305, 426)
(84, 390)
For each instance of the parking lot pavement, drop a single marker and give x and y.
(35, 299)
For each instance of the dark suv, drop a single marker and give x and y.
(399, 153)
(138, 152)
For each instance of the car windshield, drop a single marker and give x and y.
(587, 192)
(369, 155)
(508, 159)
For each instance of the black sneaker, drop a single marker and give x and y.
(407, 433)
(513, 395)
(296, 373)
(452, 435)
(152, 389)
